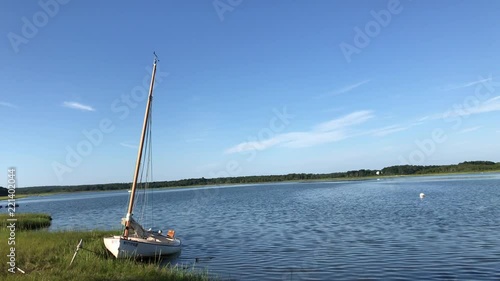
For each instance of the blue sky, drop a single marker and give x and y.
(246, 87)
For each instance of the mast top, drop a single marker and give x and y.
(156, 57)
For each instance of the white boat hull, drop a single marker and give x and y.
(134, 247)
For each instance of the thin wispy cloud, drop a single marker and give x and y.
(76, 105)
(127, 145)
(468, 84)
(472, 129)
(350, 87)
(417, 123)
(425, 118)
(344, 90)
(432, 117)
(490, 105)
(329, 131)
(345, 121)
(7, 104)
(381, 132)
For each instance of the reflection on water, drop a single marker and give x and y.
(316, 231)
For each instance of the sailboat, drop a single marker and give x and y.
(135, 241)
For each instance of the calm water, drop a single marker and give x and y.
(370, 230)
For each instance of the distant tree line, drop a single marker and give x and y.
(3, 191)
(468, 166)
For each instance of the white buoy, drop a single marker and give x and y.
(422, 195)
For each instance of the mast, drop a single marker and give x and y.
(139, 153)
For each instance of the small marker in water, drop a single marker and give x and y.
(422, 195)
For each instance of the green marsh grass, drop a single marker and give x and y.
(45, 255)
(27, 221)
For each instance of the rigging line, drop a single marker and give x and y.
(141, 197)
(144, 168)
(151, 159)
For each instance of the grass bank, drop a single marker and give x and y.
(44, 255)
(26, 221)
(17, 197)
